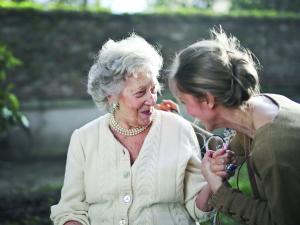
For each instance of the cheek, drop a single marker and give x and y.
(190, 110)
(194, 111)
(138, 104)
(155, 98)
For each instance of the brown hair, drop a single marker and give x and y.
(219, 66)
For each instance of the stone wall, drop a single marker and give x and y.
(57, 48)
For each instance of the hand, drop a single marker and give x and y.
(214, 181)
(168, 106)
(220, 159)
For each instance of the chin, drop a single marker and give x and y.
(145, 121)
(209, 127)
(145, 118)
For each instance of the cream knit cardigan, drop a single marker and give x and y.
(101, 187)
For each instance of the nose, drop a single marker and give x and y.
(151, 99)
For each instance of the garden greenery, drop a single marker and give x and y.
(10, 114)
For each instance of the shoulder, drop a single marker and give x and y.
(174, 120)
(283, 102)
(91, 129)
(94, 124)
(179, 130)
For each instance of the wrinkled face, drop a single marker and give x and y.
(137, 101)
(198, 108)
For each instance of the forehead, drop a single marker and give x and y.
(186, 97)
(139, 81)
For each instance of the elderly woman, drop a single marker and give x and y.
(218, 82)
(135, 165)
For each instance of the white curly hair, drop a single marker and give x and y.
(118, 60)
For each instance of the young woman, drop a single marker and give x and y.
(218, 82)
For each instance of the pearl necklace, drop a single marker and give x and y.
(123, 131)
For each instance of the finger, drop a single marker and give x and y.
(164, 107)
(219, 153)
(225, 146)
(222, 174)
(217, 168)
(223, 160)
(218, 161)
(171, 104)
(228, 155)
(210, 153)
(168, 101)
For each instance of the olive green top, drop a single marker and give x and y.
(275, 160)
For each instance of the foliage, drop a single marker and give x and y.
(255, 13)
(181, 3)
(10, 114)
(65, 5)
(278, 5)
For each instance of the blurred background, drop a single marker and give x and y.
(47, 47)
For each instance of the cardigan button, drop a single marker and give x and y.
(122, 222)
(126, 199)
(126, 174)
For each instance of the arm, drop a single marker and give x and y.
(218, 160)
(72, 206)
(196, 189)
(203, 198)
(274, 209)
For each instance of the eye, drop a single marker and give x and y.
(153, 90)
(140, 93)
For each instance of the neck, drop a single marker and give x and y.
(122, 119)
(238, 119)
(125, 131)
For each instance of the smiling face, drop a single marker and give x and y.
(136, 101)
(203, 109)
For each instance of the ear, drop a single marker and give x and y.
(210, 100)
(111, 99)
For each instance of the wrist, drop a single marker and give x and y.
(215, 185)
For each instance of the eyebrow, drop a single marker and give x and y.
(138, 89)
(144, 87)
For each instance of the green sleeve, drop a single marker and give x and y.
(238, 206)
(277, 172)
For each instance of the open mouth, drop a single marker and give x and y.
(147, 112)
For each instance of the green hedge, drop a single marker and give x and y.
(157, 10)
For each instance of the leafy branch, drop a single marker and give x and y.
(10, 114)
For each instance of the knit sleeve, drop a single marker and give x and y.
(194, 181)
(72, 205)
